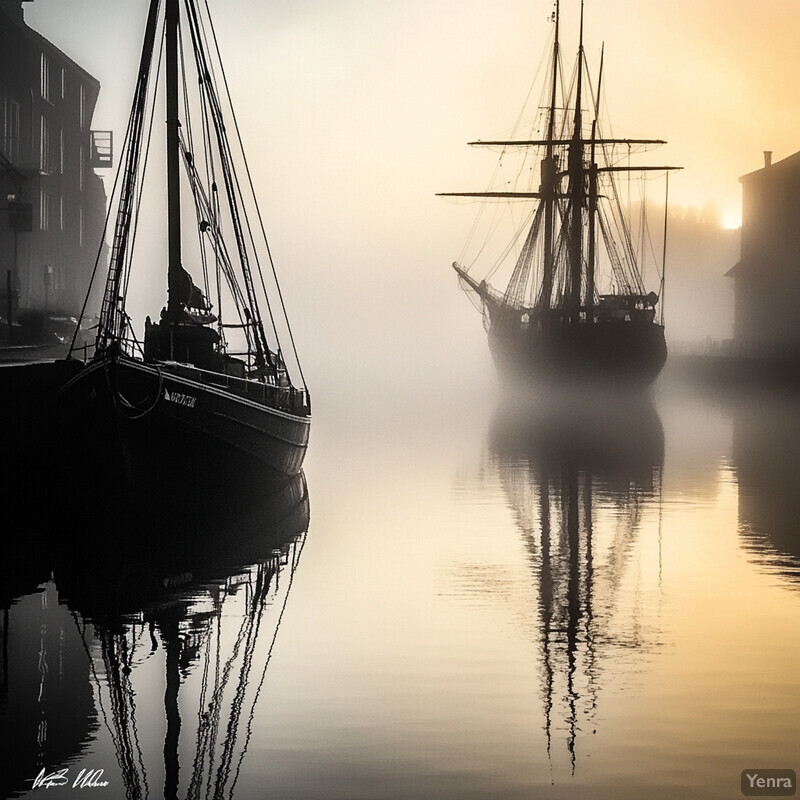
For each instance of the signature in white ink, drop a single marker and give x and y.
(87, 779)
(53, 779)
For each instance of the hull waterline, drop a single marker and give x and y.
(173, 426)
(624, 353)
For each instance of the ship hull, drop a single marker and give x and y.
(166, 430)
(624, 352)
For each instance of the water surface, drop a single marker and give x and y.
(473, 600)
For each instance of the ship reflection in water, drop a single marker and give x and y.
(107, 644)
(578, 478)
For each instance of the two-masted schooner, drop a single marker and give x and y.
(575, 303)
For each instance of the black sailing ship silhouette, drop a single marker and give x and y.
(198, 375)
(567, 310)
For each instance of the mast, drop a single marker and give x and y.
(576, 173)
(592, 257)
(174, 305)
(172, 644)
(664, 249)
(549, 180)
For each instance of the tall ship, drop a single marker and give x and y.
(215, 377)
(567, 296)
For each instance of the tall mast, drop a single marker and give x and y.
(664, 249)
(172, 644)
(591, 259)
(549, 180)
(576, 192)
(174, 305)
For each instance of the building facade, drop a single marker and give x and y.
(767, 277)
(53, 202)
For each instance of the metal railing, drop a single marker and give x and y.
(285, 398)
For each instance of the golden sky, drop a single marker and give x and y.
(392, 89)
(355, 113)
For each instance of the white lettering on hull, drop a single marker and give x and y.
(179, 399)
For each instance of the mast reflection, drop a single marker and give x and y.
(578, 477)
(169, 633)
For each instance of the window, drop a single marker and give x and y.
(45, 146)
(83, 107)
(81, 166)
(45, 77)
(81, 232)
(63, 83)
(61, 152)
(11, 130)
(45, 201)
(61, 212)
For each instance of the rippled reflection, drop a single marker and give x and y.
(144, 652)
(578, 478)
(766, 455)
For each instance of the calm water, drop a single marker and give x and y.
(488, 602)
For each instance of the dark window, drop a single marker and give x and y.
(45, 77)
(45, 146)
(45, 209)
(11, 130)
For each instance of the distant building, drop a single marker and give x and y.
(52, 203)
(767, 277)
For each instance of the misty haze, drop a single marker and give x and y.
(296, 509)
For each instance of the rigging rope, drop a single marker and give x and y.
(297, 551)
(257, 209)
(233, 190)
(133, 789)
(139, 193)
(124, 407)
(255, 618)
(110, 319)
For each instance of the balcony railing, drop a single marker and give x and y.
(101, 149)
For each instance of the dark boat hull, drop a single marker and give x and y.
(631, 353)
(168, 429)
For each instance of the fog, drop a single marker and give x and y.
(698, 296)
(354, 114)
